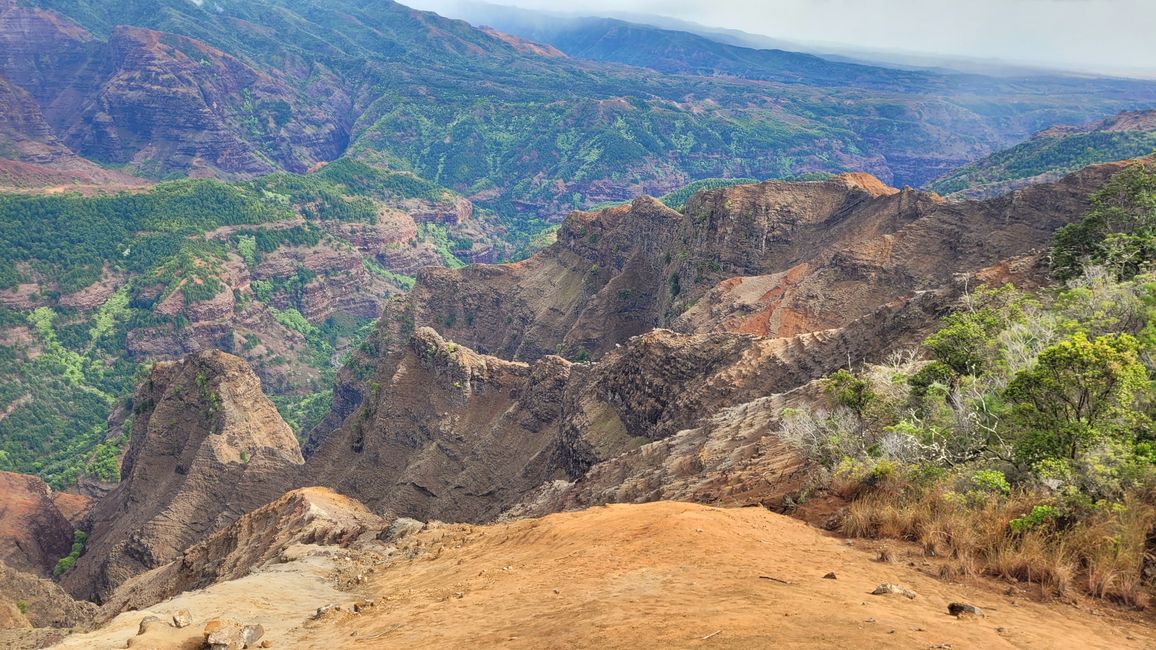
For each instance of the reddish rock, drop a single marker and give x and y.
(34, 534)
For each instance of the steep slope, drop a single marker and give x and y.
(449, 433)
(207, 446)
(35, 609)
(1051, 153)
(32, 156)
(34, 534)
(275, 567)
(162, 103)
(286, 271)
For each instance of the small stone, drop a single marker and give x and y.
(224, 634)
(887, 588)
(962, 610)
(831, 576)
(251, 633)
(266, 644)
(182, 618)
(1002, 630)
(400, 528)
(147, 623)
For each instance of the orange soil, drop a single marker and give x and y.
(675, 575)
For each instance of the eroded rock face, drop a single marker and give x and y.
(207, 446)
(773, 259)
(602, 283)
(314, 516)
(34, 534)
(766, 288)
(448, 433)
(39, 602)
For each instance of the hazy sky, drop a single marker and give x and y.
(1095, 35)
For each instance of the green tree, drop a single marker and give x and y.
(1119, 231)
(1079, 391)
(848, 390)
(967, 341)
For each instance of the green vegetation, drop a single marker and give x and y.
(446, 244)
(60, 400)
(72, 238)
(401, 280)
(1024, 446)
(79, 538)
(677, 199)
(1053, 154)
(1119, 232)
(302, 411)
(66, 370)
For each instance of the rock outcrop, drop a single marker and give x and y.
(164, 103)
(34, 534)
(40, 602)
(448, 433)
(207, 447)
(307, 516)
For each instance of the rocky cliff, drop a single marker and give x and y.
(28, 601)
(766, 287)
(449, 433)
(773, 259)
(207, 447)
(310, 516)
(34, 534)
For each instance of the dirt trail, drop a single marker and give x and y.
(279, 598)
(674, 575)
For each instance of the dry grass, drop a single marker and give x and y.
(1103, 554)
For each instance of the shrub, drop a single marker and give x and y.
(79, 538)
(991, 480)
(1039, 516)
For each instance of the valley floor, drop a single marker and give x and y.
(662, 575)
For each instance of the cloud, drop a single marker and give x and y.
(1094, 35)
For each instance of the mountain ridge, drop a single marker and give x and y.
(362, 86)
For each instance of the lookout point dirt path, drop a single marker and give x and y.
(675, 575)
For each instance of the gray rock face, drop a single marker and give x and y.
(207, 446)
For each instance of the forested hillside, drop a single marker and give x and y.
(285, 270)
(1052, 153)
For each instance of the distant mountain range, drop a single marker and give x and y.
(542, 23)
(600, 110)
